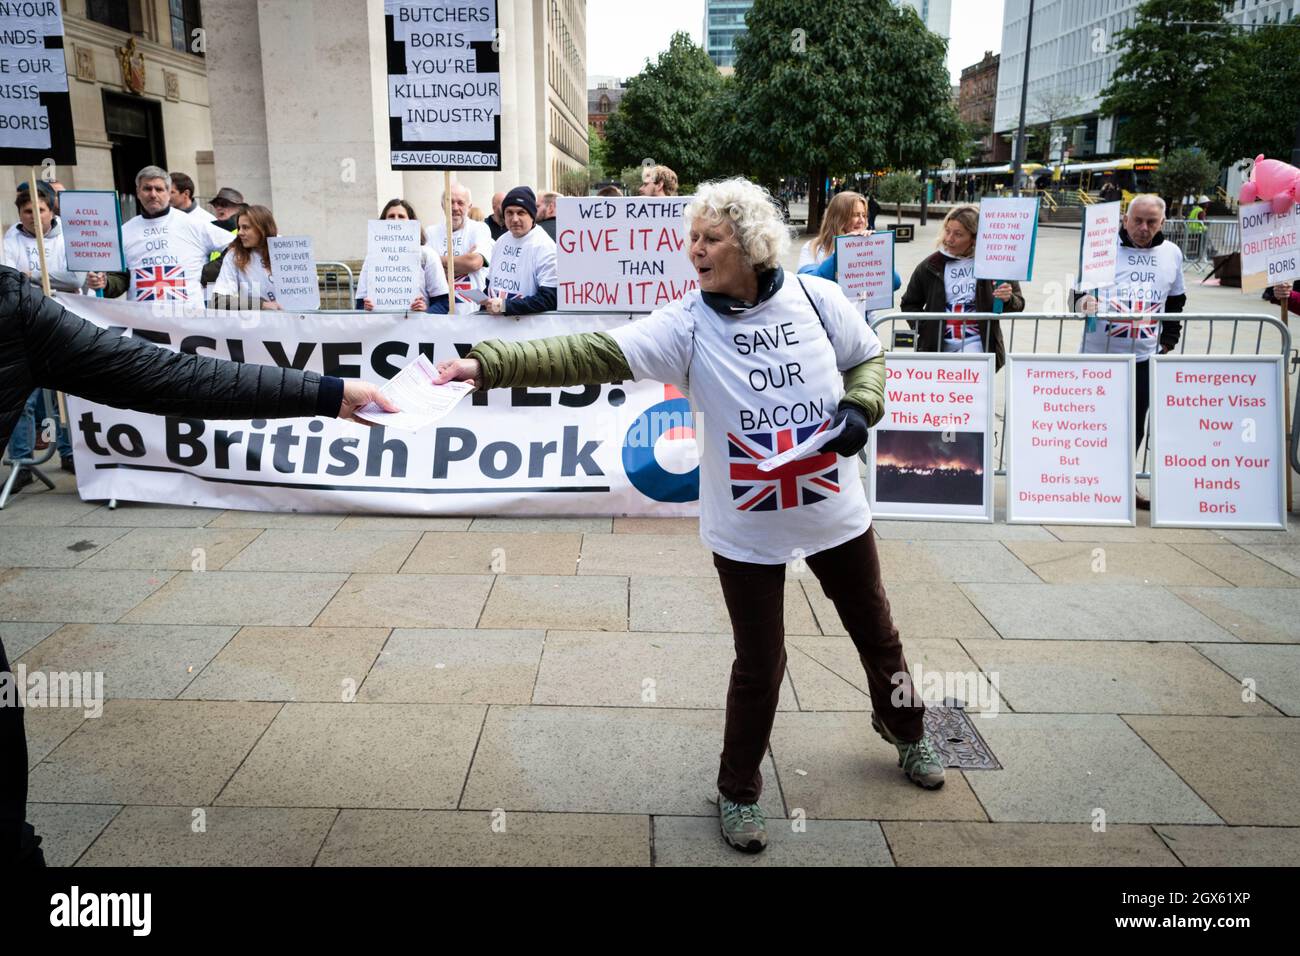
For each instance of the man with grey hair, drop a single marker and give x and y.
(1148, 284)
(471, 245)
(166, 248)
(546, 212)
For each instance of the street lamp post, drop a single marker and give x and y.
(1024, 98)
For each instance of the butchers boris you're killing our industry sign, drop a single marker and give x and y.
(931, 456)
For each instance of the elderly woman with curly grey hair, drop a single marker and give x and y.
(770, 359)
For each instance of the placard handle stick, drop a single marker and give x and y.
(997, 303)
(1286, 405)
(45, 271)
(451, 264)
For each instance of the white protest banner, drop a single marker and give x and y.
(293, 268)
(394, 274)
(864, 269)
(1008, 231)
(92, 230)
(621, 252)
(1099, 246)
(589, 450)
(35, 108)
(444, 84)
(931, 456)
(1270, 246)
(1069, 430)
(1218, 444)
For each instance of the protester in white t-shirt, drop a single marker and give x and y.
(522, 280)
(22, 253)
(245, 280)
(1148, 285)
(434, 297)
(471, 244)
(184, 199)
(165, 248)
(768, 360)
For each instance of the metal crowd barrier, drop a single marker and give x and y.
(1046, 333)
(337, 290)
(39, 458)
(1219, 237)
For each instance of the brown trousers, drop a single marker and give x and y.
(755, 594)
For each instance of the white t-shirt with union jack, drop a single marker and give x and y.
(471, 236)
(960, 335)
(165, 256)
(1144, 279)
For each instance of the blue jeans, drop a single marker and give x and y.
(22, 442)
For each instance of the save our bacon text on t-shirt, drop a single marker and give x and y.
(472, 236)
(758, 383)
(165, 256)
(959, 296)
(520, 267)
(1144, 280)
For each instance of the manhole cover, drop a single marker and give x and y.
(956, 738)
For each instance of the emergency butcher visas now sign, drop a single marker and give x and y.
(444, 84)
(624, 449)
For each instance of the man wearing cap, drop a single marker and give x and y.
(226, 205)
(165, 248)
(522, 280)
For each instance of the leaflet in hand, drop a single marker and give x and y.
(474, 295)
(420, 402)
(813, 443)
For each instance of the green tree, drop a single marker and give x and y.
(661, 116)
(1185, 172)
(1251, 106)
(597, 153)
(1164, 73)
(837, 89)
(898, 188)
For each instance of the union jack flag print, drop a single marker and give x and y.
(957, 329)
(804, 481)
(159, 282)
(1135, 328)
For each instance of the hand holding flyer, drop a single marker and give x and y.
(808, 446)
(420, 402)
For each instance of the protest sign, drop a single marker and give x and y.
(35, 108)
(864, 269)
(1270, 246)
(92, 230)
(621, 253)
(1099, 246)
(293, 268)
(394, 271)
(1218, 455)
(1069, 426)
(931, 456)
(1004, 246)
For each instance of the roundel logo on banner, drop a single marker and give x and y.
(660, 456)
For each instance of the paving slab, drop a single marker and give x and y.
(1243, 767)
(966, 561)
(555, 525)
(1142, 533)
(657, 526)
(923, 610)
(227, 836)
(359, 755)
(177, 752)
(1089, 563)
(557, 602)
(271, 598)
(47, 727)
(407, 600)
(1233, 846)
(276, 519)
(403, 523)
(482, 838)
(1238, 566)
(58, 547)
(285, 549)
(66, 829)
(695, 605)
(174, 549)
(1274, 671)
(1026, 844)
(73, 595)
(538, 552)
(289, 663)
(1111, 677)
(1258, 536)
(135, 514)
(424, 665)
(147, 661)
(696, 841)
(1090, 612)
(43, 509)
(658, 555)
(1256, 615)
(1285, 556)
(19, 637)
(592, 669)
(1062, 768)
(958, 531)
(834, 766)
(602, 760)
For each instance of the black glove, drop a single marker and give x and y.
(854, 437)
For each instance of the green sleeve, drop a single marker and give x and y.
(581, 359)
(864, 386)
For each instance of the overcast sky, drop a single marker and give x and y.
(622, 36)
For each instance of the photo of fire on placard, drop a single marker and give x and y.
(921, 467)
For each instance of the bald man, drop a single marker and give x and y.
(471, 243)
(496, 222)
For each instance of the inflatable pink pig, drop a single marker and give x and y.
(1272, 181)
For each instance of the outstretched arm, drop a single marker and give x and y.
(581, 359)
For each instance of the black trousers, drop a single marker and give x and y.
(19, 844)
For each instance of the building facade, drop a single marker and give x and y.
(602, 103)
(724, 20)
(137, 78)
(977, 101)
(935, 14)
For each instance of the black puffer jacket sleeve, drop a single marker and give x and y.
(43, 345)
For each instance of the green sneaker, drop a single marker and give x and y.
(743, 825)
(919, 760)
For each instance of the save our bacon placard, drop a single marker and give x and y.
(621, 253)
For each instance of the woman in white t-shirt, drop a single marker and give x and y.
(245, 280)
(769, 360)
(434, 297)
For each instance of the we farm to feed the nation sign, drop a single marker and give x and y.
(444, 84)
